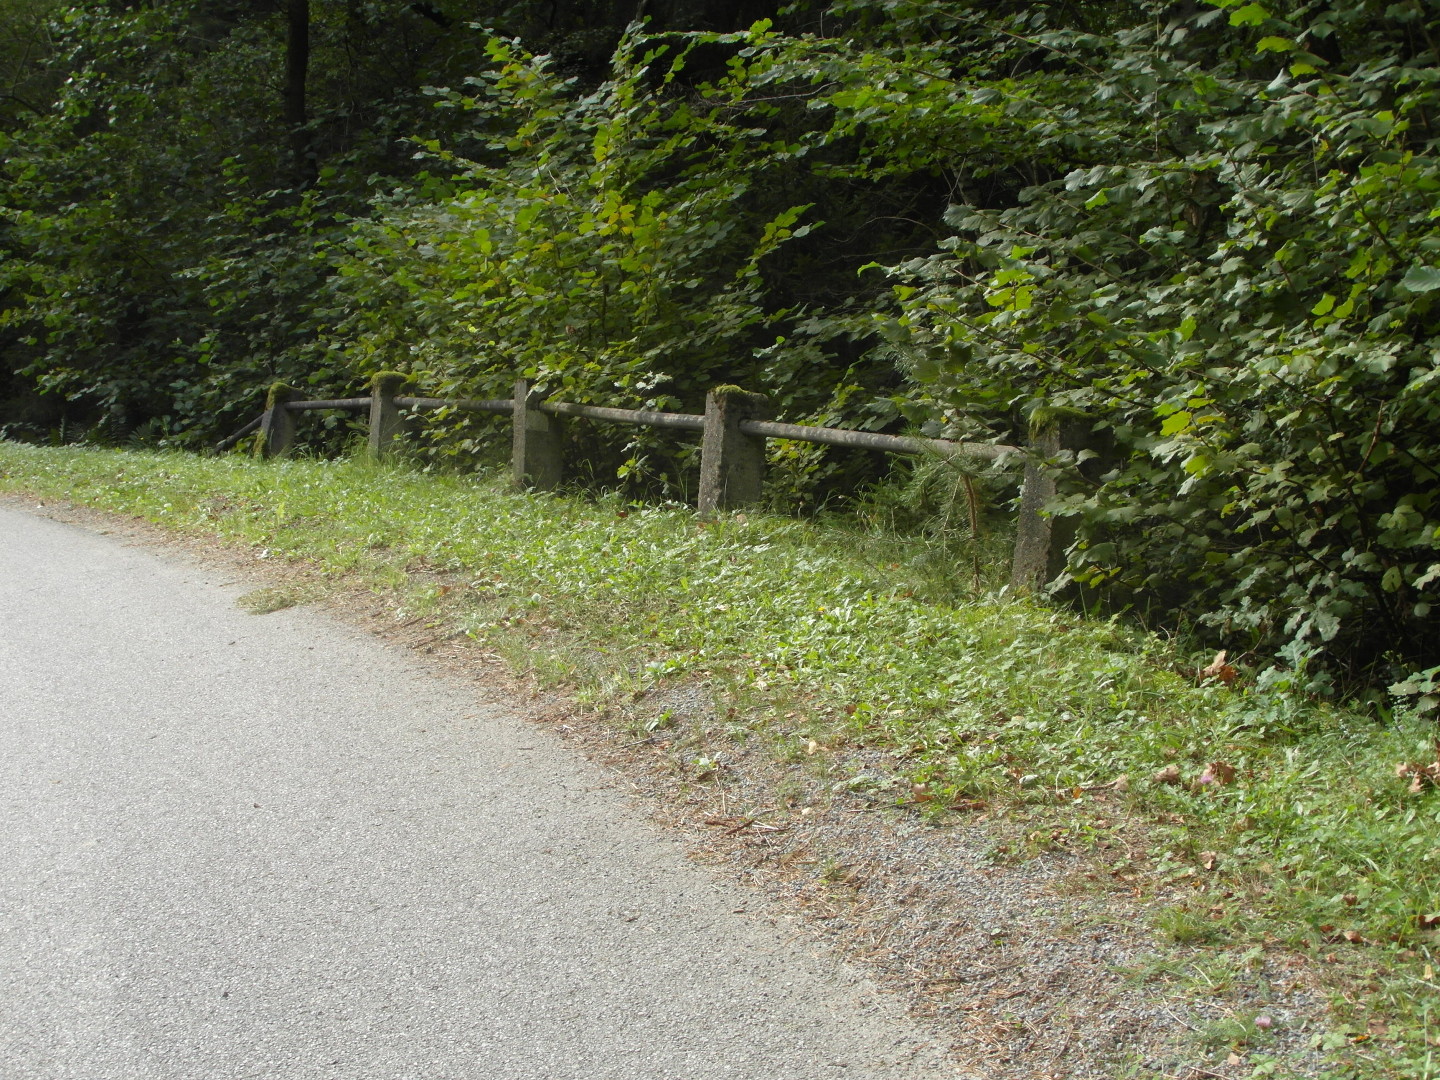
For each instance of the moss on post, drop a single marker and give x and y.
(386, 420)
(732, 463)
(277, 425)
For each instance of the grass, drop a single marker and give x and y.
(270, 598)
(835, 642)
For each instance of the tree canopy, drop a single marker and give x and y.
(1208, 228)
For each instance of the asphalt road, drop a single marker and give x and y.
(240, 846)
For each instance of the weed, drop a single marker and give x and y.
(263, 601)
(1237, 1031)
(1184, 926)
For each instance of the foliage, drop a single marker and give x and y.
(159, 259)
(604, 245)
(638, 243)
(1208, 228)
(1213, 234)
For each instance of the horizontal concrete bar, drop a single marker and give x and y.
(353, 403)
(486, 405)
(869, 440)
(678, 421)
(865, 440)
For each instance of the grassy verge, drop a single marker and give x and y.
(1279, 822)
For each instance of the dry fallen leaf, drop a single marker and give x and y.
(1219, 773)
(1208, 859)
(1120, 783)
(1219, 669)
(1420, 776)
(1170, 774)
(1353, 936)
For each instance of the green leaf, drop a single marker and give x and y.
(1273, 44)
(1249, 15)
(1326, 303)
(1175, 424)
(1421, 278)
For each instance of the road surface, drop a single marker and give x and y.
(239, 846)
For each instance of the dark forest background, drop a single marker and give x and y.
(1209, 228)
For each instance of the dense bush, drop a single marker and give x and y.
(1209, 228)
(1234, 275)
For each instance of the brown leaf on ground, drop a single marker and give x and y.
(1170, 774)
(1420, 776)
(1216, 774)
(1219, 669)
(1221, 772)
(1208, 859)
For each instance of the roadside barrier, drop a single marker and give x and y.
(733, 430)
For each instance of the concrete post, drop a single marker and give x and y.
(277, 426)
(386, 422)
(1042, 539)
(537, 455)
(732, 463)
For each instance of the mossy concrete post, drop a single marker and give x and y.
(277, 425)
(537, 454)
(1042, 539)
(386, 421)
(732, 463)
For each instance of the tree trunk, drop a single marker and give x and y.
(297, 65)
